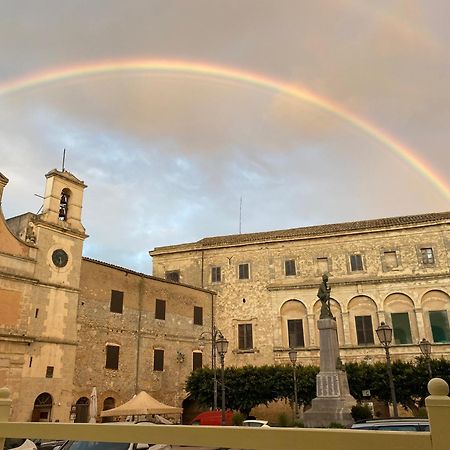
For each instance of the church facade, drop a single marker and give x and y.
(393, 270)
(69, 323)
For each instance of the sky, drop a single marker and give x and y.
(196, 118)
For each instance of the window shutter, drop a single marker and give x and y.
(401, 328)
(243, 271)
(160, 309)
(158, 360)
(289, 267)
(215, 274)
(112, 357)
(116, 302)
(364, 330)
(197, 360)
(295, 333)
(198, 315)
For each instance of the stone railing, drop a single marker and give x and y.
(438, 406)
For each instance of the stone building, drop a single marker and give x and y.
(40, 260)
(136, 332)
(69, 324)
(394, 270)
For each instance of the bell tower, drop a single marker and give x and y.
(63, 200)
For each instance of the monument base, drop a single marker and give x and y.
(333, 402)
(324, 411)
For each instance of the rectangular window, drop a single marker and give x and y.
(173, 275)
(112, 357)
(356, 263)
(244, 271)
(289, 267)
(390, 260)
(158, 360)
(295, 333)
(198, 315)
(401, 328)
(245, 336)
(116, 305)
(216, 275)
(49, 372)
(160, 309)
(364, 330)
(439, 326)
(322, 265)
(197, 360)
(427, 255)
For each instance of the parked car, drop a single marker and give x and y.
(393, 425)
(94, 445)
(255, 423)
(19, 444)
(213, 418)
(43, 444)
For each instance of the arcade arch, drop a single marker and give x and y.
(400, 314)
(436, 312)
(294, 324)
(362, 316)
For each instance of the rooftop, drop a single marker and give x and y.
(313, 231)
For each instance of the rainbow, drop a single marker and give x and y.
(231, 74)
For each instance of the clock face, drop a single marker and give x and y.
(60, 257)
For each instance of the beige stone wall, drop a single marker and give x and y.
(137, 333)
(269, 298)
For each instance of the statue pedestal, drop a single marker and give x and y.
(333, 401)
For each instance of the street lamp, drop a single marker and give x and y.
(215, 332)
(425, 348)
(222, 347)
(384, 333)
(293, 358)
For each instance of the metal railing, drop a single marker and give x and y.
(438, 406)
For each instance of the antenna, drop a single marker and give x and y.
(63, 159)
(240, 215)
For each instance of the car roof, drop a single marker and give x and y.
(397, 420)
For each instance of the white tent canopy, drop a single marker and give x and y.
(141, 404)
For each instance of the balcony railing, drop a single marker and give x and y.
(438, 407)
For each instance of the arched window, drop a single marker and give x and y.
(436, 311)
(108, 403)
(64, 204)
(42, 408)
(399, 313)
(294, 325)
(363, 319)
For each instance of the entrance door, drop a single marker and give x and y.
(42, 411)
(82, 410)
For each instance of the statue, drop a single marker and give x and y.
(324, 296)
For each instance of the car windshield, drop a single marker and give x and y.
(92, 445)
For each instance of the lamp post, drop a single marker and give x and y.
(293, 358)
(425, 348)
(222, 347)
(214, 334)
(384, 333)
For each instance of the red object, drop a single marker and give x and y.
(213, 418)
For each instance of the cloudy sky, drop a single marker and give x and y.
(168, 154)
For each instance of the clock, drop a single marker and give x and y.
(60, 257)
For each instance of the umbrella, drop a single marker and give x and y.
(93, 406)
(141, 404)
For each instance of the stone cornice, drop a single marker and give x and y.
(352, 282)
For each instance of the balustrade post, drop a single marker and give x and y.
(5, 410)
(438, 407)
